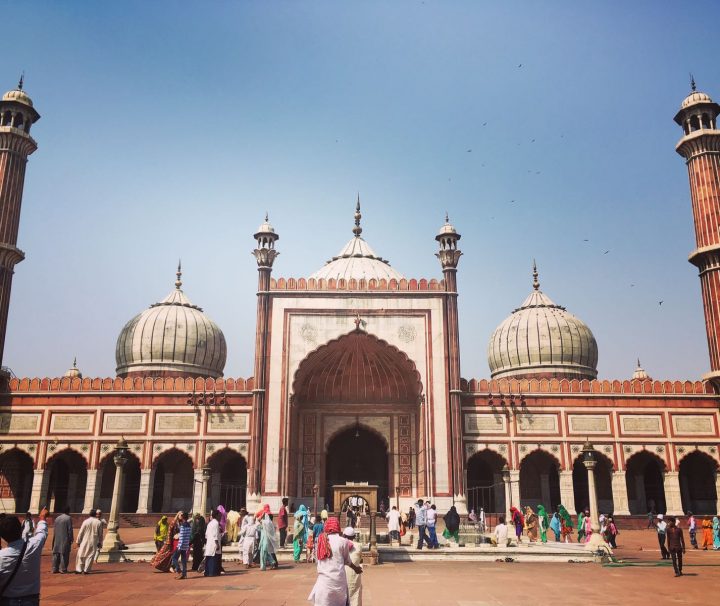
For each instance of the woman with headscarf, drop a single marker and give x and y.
(581, 526)
(531, 524)
(555, 525)
(543, 523)
(268, 543)
(246, 539)
(162, 560)
(518, 521)
(354, 580)
(231, 528)
(333, 554)
(223, 518)
(566, 525)
(452, 525)
(716, 533)
(299, 532)
(197, 540)
(707, 528)
(161, 532)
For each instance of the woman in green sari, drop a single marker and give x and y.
(299, 532)
(543, 522)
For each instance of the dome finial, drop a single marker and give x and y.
(75, 362)
(21, 82)
(357, 230)
(267, 217)
(692, 83)
(447, 218)
(536, 284)
(178, 282)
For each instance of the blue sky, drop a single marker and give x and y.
(169, 128)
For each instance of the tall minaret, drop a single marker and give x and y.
(700, 146)
(449, 255)
(265, 254)
(17, 115)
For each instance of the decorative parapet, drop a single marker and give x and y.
(576, 386)
(144, 384)
(311, 284)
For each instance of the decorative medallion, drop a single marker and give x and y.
(407, 333)
(308, 333)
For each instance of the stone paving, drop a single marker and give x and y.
(642, 580)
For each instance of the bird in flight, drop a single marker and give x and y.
(468, 151)
(661, 302)
(484, 123)
(520, 65)
(606, 252)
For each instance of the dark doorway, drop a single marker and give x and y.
(645, 483)
(539, 481)
(173, 482)
(603, 485)
(16, 476)
(698, 473)
(229, 479)
(485, 487)
(357, 455)
(68, 477)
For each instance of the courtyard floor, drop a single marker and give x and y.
(641, 579)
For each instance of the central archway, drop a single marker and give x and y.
(357, 455)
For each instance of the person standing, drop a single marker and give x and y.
(581, 527)
(421, 521)
(431, 523)
(197, 540)
(161, 533)
(676, 545)
(452, 525)
(28, 527)
(88, 539)
(247, 536)
(566, 525)
(20, 561)
(354, 580)
(300, 527)
(268, 543)
(531, 524)
(611, 532)
(181, 551)
(393, 522)
(213, 545)
(518, 520)
(411, 518)
(692, 529)
(661, 526)
(283, 522)
(543, 523)
(62, 542)
(98, 515)
(333, 554)
(232, 528)
(555, 526)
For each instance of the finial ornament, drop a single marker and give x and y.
(357, 230)
(536, 284)
(178, 282)
(692, 83)
(75, 362)
(21, 82)
(447, 218)
(267, 216)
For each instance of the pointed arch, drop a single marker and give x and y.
(698, 482)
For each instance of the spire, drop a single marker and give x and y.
(692, 83)
(267, 217)
(178, 282)
(21, 81)
(447, 218)
(75, 362)
(639, 363)
(357, 230)
(536, 284)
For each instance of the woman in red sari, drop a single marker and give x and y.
(163, 558)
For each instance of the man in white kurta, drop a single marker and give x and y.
(213, 546)
(246, 538)
(393, 522)
(89, 538)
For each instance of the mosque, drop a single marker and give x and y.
(357, 381)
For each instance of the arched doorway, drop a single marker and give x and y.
(539, 480)
(68, 477)
(603, 484)
(173, 482)
(644, 477)
(16, 477)
(698, 483)
(228, 479)
(357, 455)
(131, 484)
(485, 488)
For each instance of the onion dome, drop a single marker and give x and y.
(74, 372)
(15, 98)
(448, 229)
(541, 339)
(357, 260)
(639, 372)
(171, 338)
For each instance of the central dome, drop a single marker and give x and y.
(541, 339)
(171, 338)
(357, 260)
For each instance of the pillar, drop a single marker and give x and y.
(145, 495)
(673, 502)
(514, 490)
(39, 491)
(545, 488)
(167, 493)
(197, 490)
(620, 495)
(92, 488)
(567, 492)
(204, 491)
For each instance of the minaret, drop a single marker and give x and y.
(449, 255)
(265, 255)
(17, 115)
(700, 146)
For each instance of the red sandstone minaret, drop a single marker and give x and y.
(700, 146)
(17, 115)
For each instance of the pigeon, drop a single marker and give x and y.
(606, 252)
(468, 151)
(660, 302)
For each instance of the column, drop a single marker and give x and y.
(620, 495)
(92, 488)
(146, 491)
(214, 492)
(197, 490)
(204, 491)
(545, 488)
(567, 493)
(72, 498)
(514, 490)
(673, 502)
(167, 493)
(38, 494)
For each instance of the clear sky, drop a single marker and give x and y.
(169, 128)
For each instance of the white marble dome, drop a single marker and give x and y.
(172, 337)
(694, 98)
(542, 339)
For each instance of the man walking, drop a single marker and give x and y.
(62, 542)
(420, 522)
(182, 547)
(676, 545)
(283, 522)
(88, 539)
(661, 530)
(692, 529)
(430, 522)
(213, 545)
